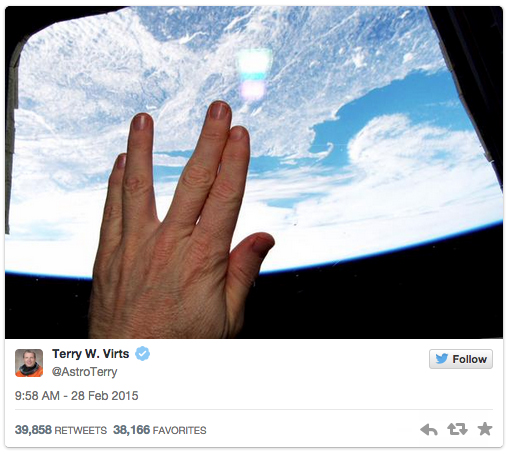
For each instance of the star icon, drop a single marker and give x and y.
(485, 429)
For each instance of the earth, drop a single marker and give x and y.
(360, 144)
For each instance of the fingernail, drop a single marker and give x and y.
(237, 133)
(262, 246)
(218, 110)
(140, 122)
(121, 161)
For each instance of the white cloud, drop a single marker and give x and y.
(358, 58)
(407, 57)
(167, 160)
(102, 70)
(391, 145)
(392, 194)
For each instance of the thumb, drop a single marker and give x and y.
(244, 264)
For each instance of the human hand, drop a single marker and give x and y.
(176, 278)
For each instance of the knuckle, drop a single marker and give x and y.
(213, 135)
(225, 192)
(163, 252)
(114, 180)
(200, 251)
(112, 212)
(136, 184)
(203, 257)
(99, 275)
(243, 276)
(101, 269)
(197, 176)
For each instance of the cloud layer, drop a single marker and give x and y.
(82, 81)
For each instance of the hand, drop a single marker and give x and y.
(176, 278)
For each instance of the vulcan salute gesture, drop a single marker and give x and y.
(176, 278)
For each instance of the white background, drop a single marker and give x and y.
(264, 393)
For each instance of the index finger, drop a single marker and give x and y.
(138, 203)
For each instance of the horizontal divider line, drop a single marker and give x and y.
(152, 409)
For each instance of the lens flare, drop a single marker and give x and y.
(253, 66)
(253, 90)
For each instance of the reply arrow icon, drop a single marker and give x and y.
(426, 430)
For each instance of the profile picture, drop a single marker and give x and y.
(29, 363)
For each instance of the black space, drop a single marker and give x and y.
(446, 289)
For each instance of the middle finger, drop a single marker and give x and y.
(200, 172)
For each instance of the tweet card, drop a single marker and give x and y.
(263, 226)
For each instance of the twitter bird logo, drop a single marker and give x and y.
(441, 358)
